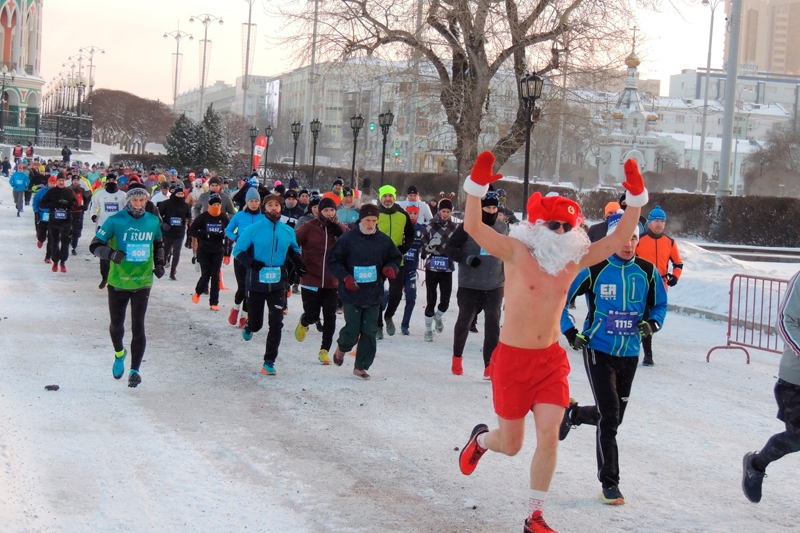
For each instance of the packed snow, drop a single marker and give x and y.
(206, 443)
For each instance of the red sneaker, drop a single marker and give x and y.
(39, 244)
(195, 298)
(457, 368)
(233, 317)
(487, 374)
(55, 267)
(63, 268)
(536, 524)
(242, 321)
(47, 260)
(472, 452)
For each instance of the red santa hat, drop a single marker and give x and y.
(554, 208)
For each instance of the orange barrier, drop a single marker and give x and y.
(753, 313)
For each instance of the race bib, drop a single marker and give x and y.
(269, 275)
(440, 263)
(137, 253)
(365, 274)
(411, 255)
(484, 252)
(175, 221)
(60, 214)
(111, 207)
(624, 323)
(45, 216)
(213, 228)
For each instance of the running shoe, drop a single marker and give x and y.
(456, 367)
(214, 307)
(566, 422)
(247, 334)
(242, 320)
(612, 496)
(338, 357)
(647, 360)
(39, 244)
(103, 283)
(487, 375)
(405, 331)
(300, 331)
(134, 379)
(323, 357)
(318, 325)
(47, 260)
(195, 298)
(268, 369)
(361, 374)
(63, 268)
(55, 266)
(428, 335)
(379, 334)
(74, 251)
(172, 277)
(437, 320)
(752, 479)
(390, 329)
(474, 328)
(233, 318)
(119, 364)
(536, 524)
(471, 453)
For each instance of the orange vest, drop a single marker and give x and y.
(660, 250)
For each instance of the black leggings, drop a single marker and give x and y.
(395, 296)
(210, 266)
(60, 236)
(787, 395)
(172, 249)
(117, 308)
(442, 280)
(470, 302)
(326, 300)
(77, 228)
(274, 300)
(241, 284)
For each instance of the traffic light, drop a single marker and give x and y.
(396, 152)
(371, 126)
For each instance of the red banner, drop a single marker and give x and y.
(261, 145)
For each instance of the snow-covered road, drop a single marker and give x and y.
(206, 443)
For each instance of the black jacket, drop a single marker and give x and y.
(209, 232)
(357, 249)
(598, 231)
(175, 213)
(61, 203)
(487, 276)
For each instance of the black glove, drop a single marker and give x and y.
(474, 261)
(117, 256)
(165, 227)
(672, 280)
(334, 229)
(577, 340)
(159, 271)
(94, 218)
(257, 265)
(194, 259)
(299, 267)
(647, 328)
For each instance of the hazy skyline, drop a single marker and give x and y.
(139, 60)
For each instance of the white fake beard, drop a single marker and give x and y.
(553, 251)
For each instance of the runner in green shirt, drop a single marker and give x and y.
(131, 240)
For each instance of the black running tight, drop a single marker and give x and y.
(117, 308)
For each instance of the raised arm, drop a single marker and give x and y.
(476, 186)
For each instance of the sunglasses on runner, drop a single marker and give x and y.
(553, 225)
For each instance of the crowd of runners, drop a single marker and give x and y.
(363, 253)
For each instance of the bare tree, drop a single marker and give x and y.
(467, 42)
(236, 129)
(122, 118)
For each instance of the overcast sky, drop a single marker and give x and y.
(138, 59)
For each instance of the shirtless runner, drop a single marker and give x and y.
(529, 368)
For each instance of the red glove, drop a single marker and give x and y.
(634, 183)
(350, 283)
(477, 184)
(389, 272)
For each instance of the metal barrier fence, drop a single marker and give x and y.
(753, 313)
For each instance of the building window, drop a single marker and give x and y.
(679, 118)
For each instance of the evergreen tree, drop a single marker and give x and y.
(213, 151)
(182, 143)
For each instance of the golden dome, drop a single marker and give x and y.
(633, 60)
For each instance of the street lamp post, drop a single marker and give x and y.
(268, 135)
(91, 51)
(297, 129)
(713, 5)
(177, 35)
(253, 137)
(80, 83)
(530, 89)
(316, 126)
(385, 120)
(13, 75)
(356, 122)
(206, 20)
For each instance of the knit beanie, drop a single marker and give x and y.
(491, 199)
(326, 202)
(387, 189)
(252, 194)
(136, 192)
(368, 210)
(214, 198)
(613, 222)
(445, 203)
(657, 214)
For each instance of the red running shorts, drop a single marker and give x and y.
(521, 378)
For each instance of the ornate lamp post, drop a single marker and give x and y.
(530, 90)
(316, 126)
(80, 83)
(268, 135)
(297, 129)
(91, 51)
(253, 137)
(3, 97)
(206, 20)
(177, 35)
(356, 122)
(385, 121)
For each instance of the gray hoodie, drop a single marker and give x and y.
(789, 324)
(489, 275)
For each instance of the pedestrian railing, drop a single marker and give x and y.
(753, 309)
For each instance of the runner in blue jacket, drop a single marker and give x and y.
(627, 301)
(241, 220)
